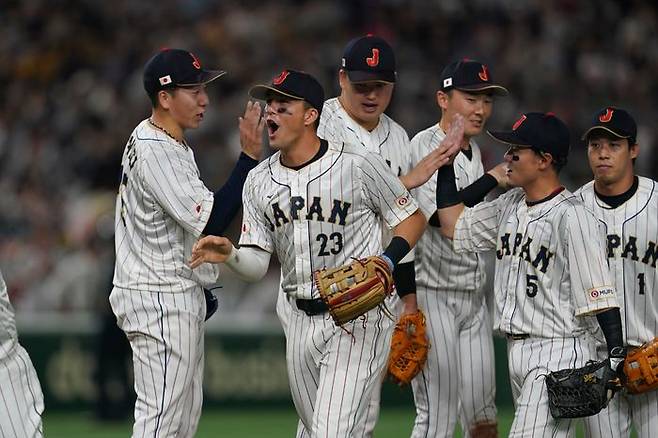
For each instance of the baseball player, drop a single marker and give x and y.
(161, 210)
(21, 400)
(627, 205)
(367, 78)
(551, 275)
(458, 377)
(319, 203)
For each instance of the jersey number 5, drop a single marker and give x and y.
(336, 243)
(531, 285)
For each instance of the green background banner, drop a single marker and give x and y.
(240, 370)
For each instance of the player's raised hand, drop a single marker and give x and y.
(425, 168)
(500, 173)
(210, 249)
(251, 130)
(454, 138)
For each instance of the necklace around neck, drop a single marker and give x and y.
(166, 132)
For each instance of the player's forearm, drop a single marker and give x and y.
(475, 193)
(448, 200)
(404, 276)
(408, 182)
(411, 228)
(610, 323)
(249, 263)
(228, 199)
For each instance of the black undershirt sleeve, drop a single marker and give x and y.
(475, 193)
(228, 199)
(610, 322)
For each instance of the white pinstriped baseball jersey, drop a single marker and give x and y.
(632, 250)
(21, 399)
(438, 266)
(161, 209)
(450, 294)
(550, 262)
(388, 139)
(323, 214)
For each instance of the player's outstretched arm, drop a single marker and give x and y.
(251, 130)
(249, 263)
(449, 204)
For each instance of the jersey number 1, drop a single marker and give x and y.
(640, 279)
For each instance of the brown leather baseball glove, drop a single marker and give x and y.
(409, 347)
(641, 368)
(352, 290)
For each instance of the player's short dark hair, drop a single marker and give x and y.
(557, 162)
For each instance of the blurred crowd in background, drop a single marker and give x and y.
(71, 94)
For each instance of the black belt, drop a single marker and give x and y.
(517, 336)
(312, 307)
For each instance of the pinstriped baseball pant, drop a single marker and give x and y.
(528, 361)
(166, 334)
(333, 374)
(21, 400)
(458, 380)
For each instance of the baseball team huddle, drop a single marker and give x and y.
(381, 240)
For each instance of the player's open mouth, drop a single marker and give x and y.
(272, 126)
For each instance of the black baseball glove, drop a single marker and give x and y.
(581, 392)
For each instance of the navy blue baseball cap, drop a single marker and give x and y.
(616, 121)
(171, 68)
(369, 59)
(541, 131)
(293, 84)
(471, 76)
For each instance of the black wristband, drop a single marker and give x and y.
(397, 249)
(446, 189)
(475, 193)
(405, 279)
(610, 322)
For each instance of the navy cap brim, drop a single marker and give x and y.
(509, 137)
(605, 128)
(495, 89)
(264, 92)
(357, 76)
(204, 78)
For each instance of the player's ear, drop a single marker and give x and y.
(164, 98)
(343, 80)
(546, 160)
(310, 116)
(635, 150)
(442, 100)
